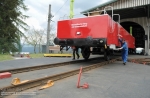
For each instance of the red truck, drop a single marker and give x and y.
(93, 34)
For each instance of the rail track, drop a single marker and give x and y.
(145, 61)
(40, 67)
(41, 81)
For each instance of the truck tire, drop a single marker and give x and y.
(86, 52)
(106, 56)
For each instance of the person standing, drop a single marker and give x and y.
(124, 48)
(75, 50)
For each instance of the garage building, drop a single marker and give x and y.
(134, 17)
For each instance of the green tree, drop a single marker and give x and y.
(33, 37)
(37, 37)
(11, 21)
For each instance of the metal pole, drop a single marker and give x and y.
(48, 29)
(148, 36)
(148, 29)
(71, 9)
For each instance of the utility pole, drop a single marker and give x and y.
(48, 29)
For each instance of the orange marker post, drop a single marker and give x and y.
(78, 84)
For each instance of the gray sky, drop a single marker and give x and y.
(38, 10)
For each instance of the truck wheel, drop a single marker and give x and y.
(134, 51)
(86, 53)
(106, 56)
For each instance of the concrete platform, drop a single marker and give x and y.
(57, 55)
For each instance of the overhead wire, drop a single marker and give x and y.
(60, 7)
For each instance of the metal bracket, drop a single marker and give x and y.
(17, 81)
(118, 16)
(49, 84)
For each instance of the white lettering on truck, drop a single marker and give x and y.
(77, 25)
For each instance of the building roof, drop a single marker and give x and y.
(129, 12)
(101, 5)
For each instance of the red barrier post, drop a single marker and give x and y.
(78, 84)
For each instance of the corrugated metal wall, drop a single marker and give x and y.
(127, 3)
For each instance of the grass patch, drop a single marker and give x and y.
(5, 57)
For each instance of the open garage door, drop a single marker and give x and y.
(137, 31)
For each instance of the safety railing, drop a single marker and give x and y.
(111, 16)
(83, 15)
(99, 12)
(118, 22)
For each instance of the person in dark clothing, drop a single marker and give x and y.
(75, 49)
(124, 48)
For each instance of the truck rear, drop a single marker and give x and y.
(89, 31)
(96, 32)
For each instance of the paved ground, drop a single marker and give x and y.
(45, 72)
(19, 63)
(110, 81)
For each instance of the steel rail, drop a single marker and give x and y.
(145, 61)
(39, 67)
(42, 81)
